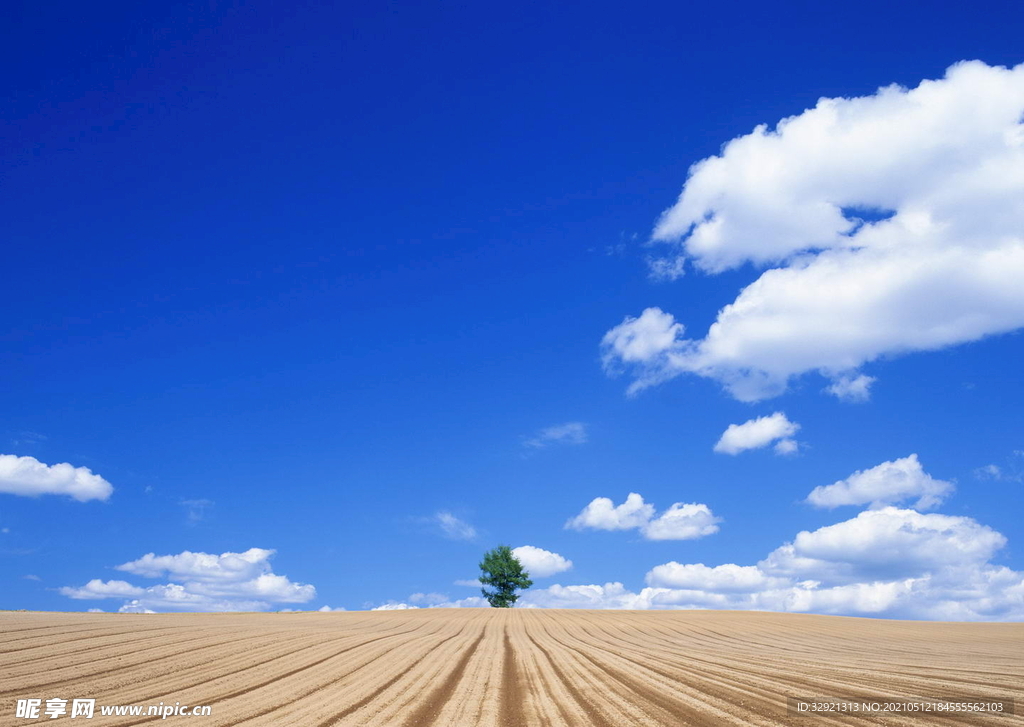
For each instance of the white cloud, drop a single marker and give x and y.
(30, 477)
(467, 582)
(470, 602)
(568, 433)
(889, 224)
(100, 589)
(428, 599)
(682, 521)
(887, 483)
(697, 576)
(851, 387)
(209, 582)
(890, 562)
(95, 610)
(394, 606)
(760, 432)
(786, 446)
(134, 607)
(328, 609)
(649, 344)
(885, 544)
(31, 577)
(603, 514)
(454, 528)
(206, 567)
(432, 600)
(540, 563)
(610, 595)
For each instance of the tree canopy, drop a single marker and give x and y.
(502, 570)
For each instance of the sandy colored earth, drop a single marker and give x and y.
(494, 667)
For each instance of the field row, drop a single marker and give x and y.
(498, 667)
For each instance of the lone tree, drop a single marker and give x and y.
(501, 569)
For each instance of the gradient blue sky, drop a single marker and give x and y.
(302, 278)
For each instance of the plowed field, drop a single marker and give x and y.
(494, 667)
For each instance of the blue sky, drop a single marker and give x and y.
(377, 289)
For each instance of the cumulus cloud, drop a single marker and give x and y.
(100, 589)
(568, 433)
(432, 600)
(393, 606)
(760, 432)
(889, 224)
(609, 595)
(454, 528)
(28, 476)
(650, 345)
(699, 577)
(889, 562)
(208, 582)
(134, 606)
(429, 599)
(540, 563)
(203, 567)
(851, 387)
(887, 483)
(603, 514)
(682, 521)
(885, 544)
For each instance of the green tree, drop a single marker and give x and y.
(501, 569)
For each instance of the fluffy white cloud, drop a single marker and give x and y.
(433, 600)
(453, 527)
(760, 432)
(890, 223)
(540, 563)
(682, 521)
(568, 433)
(889, 562)
(699, 577)
(603, 514)
(887, 483)
(100, 589)
(651, 345)
(393, 606)
(133, 607)
(610, 595)
(202, 567)
(885, 544)
(28, 476)
(209, 582)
